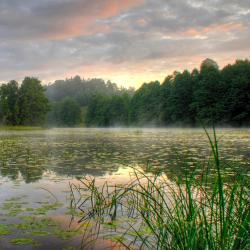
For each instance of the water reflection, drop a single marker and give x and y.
(78, 152)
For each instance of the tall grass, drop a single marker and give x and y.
(186, 214)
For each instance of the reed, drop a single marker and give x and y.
(190, 213)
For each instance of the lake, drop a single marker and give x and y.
(36, 168)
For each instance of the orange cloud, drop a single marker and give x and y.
(114, 7)
(215, 28)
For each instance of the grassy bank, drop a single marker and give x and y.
(21, 128)
(151, 212)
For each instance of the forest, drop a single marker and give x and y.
(208, 95)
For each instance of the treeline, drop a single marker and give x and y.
(71, 98)
(208, 95)
(24, 105)
(63, 103)
(205, 96)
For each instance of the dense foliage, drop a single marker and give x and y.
(101, 97)
(205, 96)
(24, 105)
(108, 110)
(65, 113)
(81, 90)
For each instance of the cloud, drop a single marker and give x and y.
(56, 19)
(133, 40)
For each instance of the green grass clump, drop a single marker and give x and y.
(191, 213)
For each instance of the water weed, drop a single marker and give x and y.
(193, 212)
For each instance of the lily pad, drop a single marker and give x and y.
(4, 230)
(24, 242)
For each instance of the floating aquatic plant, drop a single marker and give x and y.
(190, 213)
(4, 230)
(24, 242)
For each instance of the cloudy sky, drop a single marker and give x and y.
(126, 41)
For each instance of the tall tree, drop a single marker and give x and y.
(237, 79)
(69, 113)
(209, 94)
(9, 103)
(33, 104)
(166, 93)
(118, 110)
(177, 96)
(98, 111)
(145, 104)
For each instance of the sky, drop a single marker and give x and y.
(126, 41)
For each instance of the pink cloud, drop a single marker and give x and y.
(82, 18)
(215, 28)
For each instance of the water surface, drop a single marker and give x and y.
(36, 168)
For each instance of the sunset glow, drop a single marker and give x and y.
(128, 42)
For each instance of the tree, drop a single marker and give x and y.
(9, 103)
(209, 94)
(237, 79)
(118, 110)
(177, 96)
(80, 90)
(65, 113)
(145, 104)
(109, 111)
(209, 63)
(33, 104)
(69, 113)
(97, 114)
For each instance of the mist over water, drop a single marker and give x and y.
(37, 166)
(97, 151)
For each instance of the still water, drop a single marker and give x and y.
(36, 168)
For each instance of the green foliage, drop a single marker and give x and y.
(145, 104)
(209, 63)
(9, 103)
(208, 102)
(108, 111)
(33, 104)
(205, 96)
(26, 105)
(80, 90)
(97, 113)
(102, 103)
(65, 113)
(190, 213)
(209, 96)
(176, 98)
(237, 98)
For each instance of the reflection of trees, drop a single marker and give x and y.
(31, 160)
(7, 171)
(29, 173)
(98, 154)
